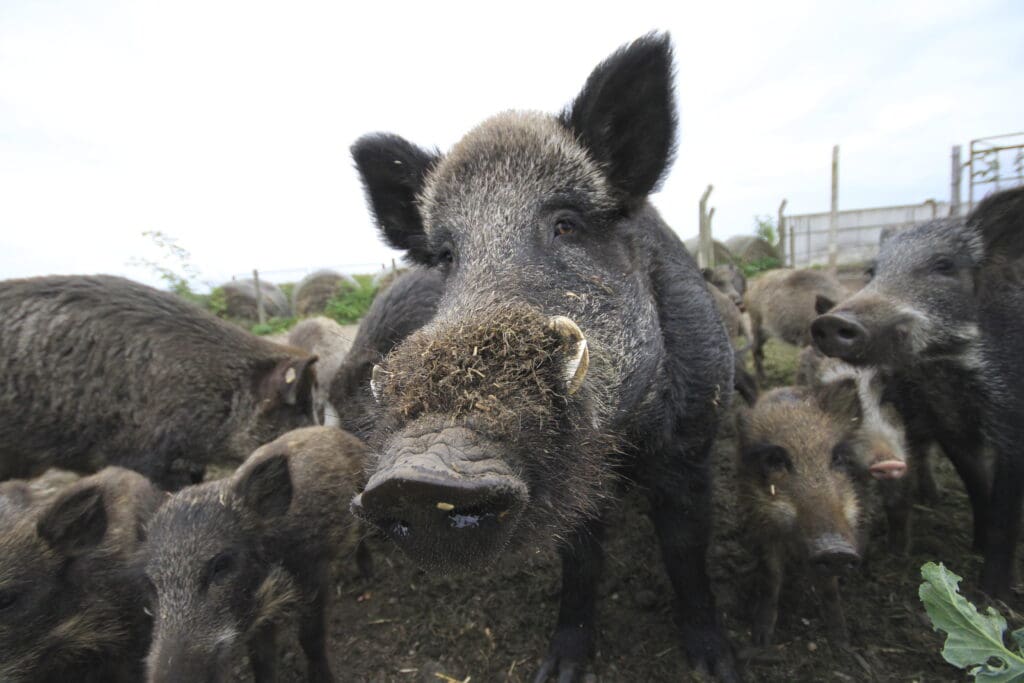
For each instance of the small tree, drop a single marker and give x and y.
(174, 266)
(764, 227)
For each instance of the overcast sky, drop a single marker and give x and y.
(227, 124)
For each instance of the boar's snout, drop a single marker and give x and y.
(888, 469)
(841, 335)
(445, 509)
(833, 555)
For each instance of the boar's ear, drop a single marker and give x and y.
(75, 522)
(393, 171)
(626, 115)
(822, 304)
(266, 487)
(1000, 221)
(291, 381)
(841, 400)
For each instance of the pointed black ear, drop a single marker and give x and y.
(75, 522)
(626, 115)
(822, 304)
(1000, 221)
(393, 171)
(264, 487)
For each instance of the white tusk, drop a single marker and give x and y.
(377, 382)
(331, 418)
(579, 363)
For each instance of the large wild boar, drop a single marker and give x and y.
(404, 306)
(71, 599)
(101, 370)
(944, 315)
(782, 303)
(575, 341)
(232, 560)
(328, 341)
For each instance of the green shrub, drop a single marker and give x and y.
(274, 326)
(760, 265)
(351, 303)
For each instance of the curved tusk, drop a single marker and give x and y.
(579, 361)
(377, 382)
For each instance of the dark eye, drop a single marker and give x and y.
(869, 272)
(776, 460)
(842, 455)
(8, 599)
(564, 226)
(447, 257)
(221, 566)
(944, 266)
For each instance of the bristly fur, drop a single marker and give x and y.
(101, 370)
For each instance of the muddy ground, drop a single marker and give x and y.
(406, 625)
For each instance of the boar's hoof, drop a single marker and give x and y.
(840, 336)
(443, 523)
(831, 555)
(579, 359)
(889, 469)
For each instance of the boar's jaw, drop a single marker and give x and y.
(445, 498)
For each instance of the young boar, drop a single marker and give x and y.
(782, 303)
(71, 602)
(575, 339)
(326, 340)
(943, 314)
(102, 370)
(231, 560)
(799, 498)
(401, 308)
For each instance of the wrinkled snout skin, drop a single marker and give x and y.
(446, 497)
(867, 329)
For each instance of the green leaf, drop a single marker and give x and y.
(973, 639)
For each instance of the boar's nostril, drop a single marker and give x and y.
(831, 555)
(839, 336)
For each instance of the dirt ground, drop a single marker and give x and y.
(406, 625)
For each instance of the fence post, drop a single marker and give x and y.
(833, 221)
(259, 297)
(782, 232)
(954, 184)
(705, 252)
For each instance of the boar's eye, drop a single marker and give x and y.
(776, 459)
(565, 225)
(221, 566)
(842, 455)
(869, 272)
(943, 266)
(8, 599)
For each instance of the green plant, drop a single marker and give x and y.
(274, 326)
(179, 260)
(764, 227)
(974, 640)
(760, 265)
(351, 303)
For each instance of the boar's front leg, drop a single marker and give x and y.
(263, 654)
(573, 641)
(681, 512)
(832, 605)
(312, 626)
(770, 572)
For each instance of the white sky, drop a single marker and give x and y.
(227, 124)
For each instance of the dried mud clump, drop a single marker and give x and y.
(503, 369)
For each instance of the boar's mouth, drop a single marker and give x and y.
(445, 498)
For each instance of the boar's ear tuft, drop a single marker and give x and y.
(393, 171)
(75, 522)
(265, 487)
(1000, 221)
(626, 115)
(822, 304)
(841, 400)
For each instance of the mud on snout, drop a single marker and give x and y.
(486, 419)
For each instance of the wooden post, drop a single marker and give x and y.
(833, 221)
(705, 251)
(711, 239)
(954, 184)
(782, 232)
(260, 314)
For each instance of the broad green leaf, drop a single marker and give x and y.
(974, 640)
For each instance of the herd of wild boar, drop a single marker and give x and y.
(552, 340)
